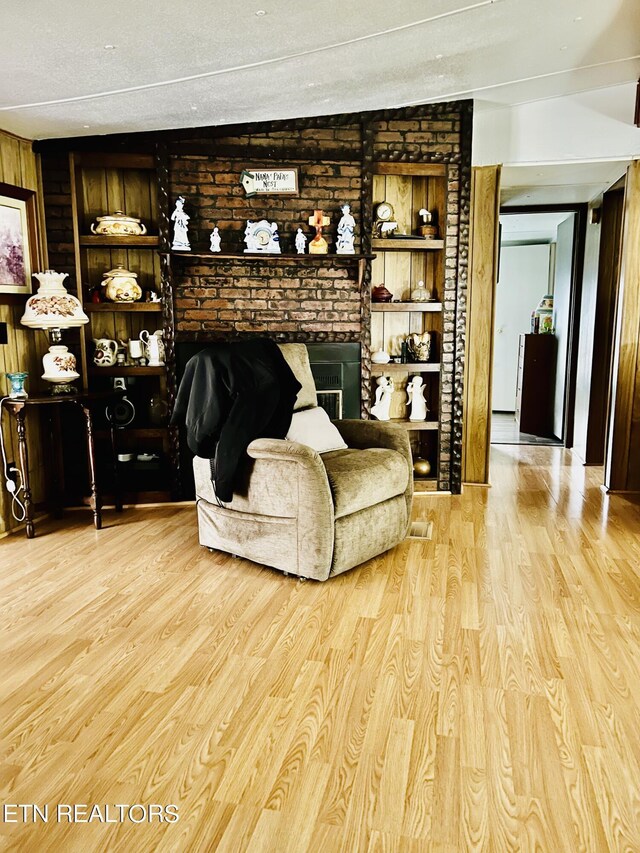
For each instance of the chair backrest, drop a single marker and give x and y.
(297, 357)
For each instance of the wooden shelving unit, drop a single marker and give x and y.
(413, 307)
(101, 184)
(414, 244)
(400, 264)
(407, 367)
(127, 307)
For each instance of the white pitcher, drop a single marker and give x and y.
(153, 348)
(105, 353)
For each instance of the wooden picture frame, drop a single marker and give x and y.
(18, 239)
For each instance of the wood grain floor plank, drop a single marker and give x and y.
(477, 691)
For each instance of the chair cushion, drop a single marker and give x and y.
(362, 478)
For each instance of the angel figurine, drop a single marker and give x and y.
(181, 221)
(415, 396)
(382, 405)
(214, 240)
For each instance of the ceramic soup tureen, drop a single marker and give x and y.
(120, 285)
(118, 224)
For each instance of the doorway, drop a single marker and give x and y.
(534, 372)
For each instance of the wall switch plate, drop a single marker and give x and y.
(4, 337)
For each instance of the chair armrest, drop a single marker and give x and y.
(280, 448)
(363, 434)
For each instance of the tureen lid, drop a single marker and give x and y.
(120, 270)
(118, 216)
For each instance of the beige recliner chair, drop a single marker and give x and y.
(310, 514)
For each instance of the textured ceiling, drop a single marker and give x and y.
(174, 64)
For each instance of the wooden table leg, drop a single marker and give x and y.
(116, 471)
(24, 465)
(94, 501)
(56, 462)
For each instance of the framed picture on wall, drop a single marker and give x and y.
(18, 239)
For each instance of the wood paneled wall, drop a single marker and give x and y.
(623, 452)
(20, 167)
(483, 274)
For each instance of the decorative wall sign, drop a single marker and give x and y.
(260, 181)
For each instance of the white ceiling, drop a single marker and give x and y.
(178, 64)
(559, 183)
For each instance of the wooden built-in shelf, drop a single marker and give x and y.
(145, 307)
(396, 367)
(148, 241)
(127, 370)
(416, 425)
(406, 306)
(268, 256)
(425, 484)
(414, 244)
(135, 432)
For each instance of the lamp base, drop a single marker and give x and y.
(58, 389)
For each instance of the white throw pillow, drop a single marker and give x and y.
(313, 428)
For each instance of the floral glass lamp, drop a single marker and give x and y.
(53, 309)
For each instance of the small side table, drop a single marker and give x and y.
(84, 401)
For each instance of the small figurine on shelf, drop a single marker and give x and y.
(181, 221)
(301, 242)
(214, 240)
(274, 243)
(151, 296)
(415, 396)
(427, 225)
(382, 405)
(346, 228)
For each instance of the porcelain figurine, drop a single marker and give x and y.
(118, 224)
(301, 242)
(382, 405)
(262, 237)
(106, 352)
(415, 396)
(181, 221)
(214, 243)
(346, 229)
(121, 285)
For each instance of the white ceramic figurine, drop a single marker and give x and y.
(382, 405)
(181, 221)
(346, 228)
(415, 396)
(215, 240)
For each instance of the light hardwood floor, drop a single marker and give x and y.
(480, 691)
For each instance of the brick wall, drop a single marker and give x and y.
(272, 296)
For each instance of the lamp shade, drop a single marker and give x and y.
(52, 307)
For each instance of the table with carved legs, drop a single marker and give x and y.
(85, 402)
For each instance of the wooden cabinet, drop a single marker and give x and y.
(536, 381)
(400, 264)
(102, 184)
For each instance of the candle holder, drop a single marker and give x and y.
(16, 381)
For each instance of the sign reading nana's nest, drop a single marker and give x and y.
(261, 181)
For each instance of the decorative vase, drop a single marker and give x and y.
(16, 381)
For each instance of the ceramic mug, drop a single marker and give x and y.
(136, 349)
(106, 351)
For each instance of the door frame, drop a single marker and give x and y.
(577, 265)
